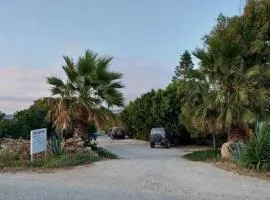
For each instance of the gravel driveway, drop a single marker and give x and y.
(142, 173)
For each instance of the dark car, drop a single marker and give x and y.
(116, 133)
(160, 136)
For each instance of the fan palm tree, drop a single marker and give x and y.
(86, 96)
(196, 112)
(237, 93)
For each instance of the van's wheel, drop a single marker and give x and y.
(168, 145)
(152, 145)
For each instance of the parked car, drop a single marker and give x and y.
(161, 136)
(116, 133)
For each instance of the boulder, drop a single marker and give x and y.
(70, 141)
(70, 148)
(225, 152)
(74, 145)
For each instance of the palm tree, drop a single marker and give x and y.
(196, 111)
(237, 92)
(85, 97)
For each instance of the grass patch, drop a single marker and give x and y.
(204, 155)
(241, 170)
(104, 153)
(12, 161)
(66, 160)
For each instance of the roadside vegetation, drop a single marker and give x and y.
(79, 106)
(225, 97)
(208, 155)
(12, 160)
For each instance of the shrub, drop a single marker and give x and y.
(9, 159)
(66, 160)
(103, 153)
(56, 145)
(142, 136)
(236, 152)
(256, 154)
(205, 155)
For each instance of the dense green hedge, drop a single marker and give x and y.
(24, 121)
(159, 108)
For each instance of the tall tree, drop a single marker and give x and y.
(2, 115)
(86, 96)
(185, 65)
(238, 93)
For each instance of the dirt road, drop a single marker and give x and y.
(141, 173)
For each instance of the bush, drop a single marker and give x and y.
(205, 155)
(66, 160)
(236, 152)
(9, 159)
(12, 160)
(103, 153)
(56, 145)
(142, 136)
(24, 121)
(256, 154)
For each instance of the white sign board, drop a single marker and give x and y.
(38, 140)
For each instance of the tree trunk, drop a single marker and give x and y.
(214, 141)
(236, 134)
(214, 144)
(81, 130)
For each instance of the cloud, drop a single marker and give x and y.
(20, 86)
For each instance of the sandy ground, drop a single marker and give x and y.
(141, 173)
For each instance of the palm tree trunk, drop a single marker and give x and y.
(236, 134)
(81, 130)
(215, 144)
(214, 141)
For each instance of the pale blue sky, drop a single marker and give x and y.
(146, 38)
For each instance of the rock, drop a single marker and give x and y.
(70, 148)
(80, 144)
(225, 152)
(17, 145)
(70, 140)
(74, 145)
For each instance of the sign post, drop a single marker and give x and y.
(38, 141)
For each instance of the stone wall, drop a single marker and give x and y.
(16, 145)
(23, 146)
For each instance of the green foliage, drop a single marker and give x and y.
(236, 152)
(11, 128)
(66, 160)
(104, 153)
(56, 145)
(204, 155)
(24, 121)
(256, 154)
(232, 89)
(84, 98)
(9, 159)
(160, 108)
(2, 115)
(185, 65)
